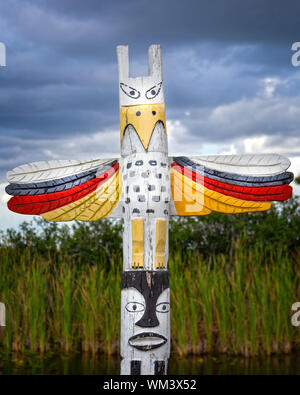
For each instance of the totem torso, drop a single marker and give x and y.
(146, 195)
(146, 185)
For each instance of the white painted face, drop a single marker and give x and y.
(140, 90)
(145, 324)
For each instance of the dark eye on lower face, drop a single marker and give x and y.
(163, 307)
(129, 91)
(134, 307)
(154, 91)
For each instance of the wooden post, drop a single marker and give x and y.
(2, 321)
(145, 298)
(2, 314)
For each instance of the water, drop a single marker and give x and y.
(28, 364)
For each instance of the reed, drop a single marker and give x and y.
(237, 303)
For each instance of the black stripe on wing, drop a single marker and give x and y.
(58, 185)
(237, 179)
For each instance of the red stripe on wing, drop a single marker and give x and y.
(279, 192)
(39, 204)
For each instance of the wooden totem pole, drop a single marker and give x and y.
(144, 187)
(145, 298)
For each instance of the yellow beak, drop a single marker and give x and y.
(143, 118)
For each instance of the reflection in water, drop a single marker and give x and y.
(283, 364)
(29, 363)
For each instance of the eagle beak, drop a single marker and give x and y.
(143, 118)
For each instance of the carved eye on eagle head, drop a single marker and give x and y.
(129, 91)
(153, 91)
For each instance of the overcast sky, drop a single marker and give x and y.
(230, 86)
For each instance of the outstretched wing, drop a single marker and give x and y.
(229, 183)
(64, 190)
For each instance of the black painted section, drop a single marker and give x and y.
(159, 368)
(135, 368)
(150, 284)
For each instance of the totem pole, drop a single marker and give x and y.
(144, 187)
(145, 297)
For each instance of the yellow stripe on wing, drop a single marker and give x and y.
(188, 196)
(187, 205)
(99, 204)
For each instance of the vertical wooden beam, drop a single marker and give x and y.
(160, 244)
(137, 230)
(2, 314)
(2, 321)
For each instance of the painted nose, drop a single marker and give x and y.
(149, 319)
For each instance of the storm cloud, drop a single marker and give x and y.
(229, 82)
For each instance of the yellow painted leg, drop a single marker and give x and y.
(161, 232)
(137, 230)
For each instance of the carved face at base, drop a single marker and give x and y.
(146, 309)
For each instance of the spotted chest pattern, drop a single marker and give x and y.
(146, 185)
(146, 197)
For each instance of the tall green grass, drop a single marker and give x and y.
(238, 303)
